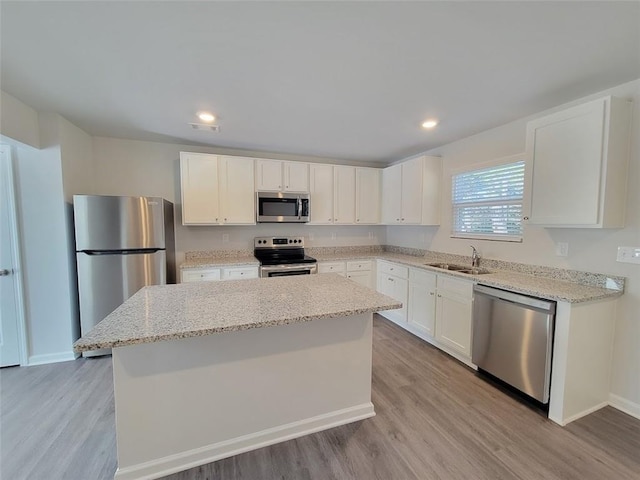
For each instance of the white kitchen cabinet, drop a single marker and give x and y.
(332, 267)
(332, 192)
(344, 191)
(238, 273)
(367, 196)
(361, 271)
(199, 189)
(577, 166)
(321, 193)
(214, 274)
(392, 280)
(421, 310)
(454, 303)
(200, 275)
(217, 190)
(281, 176)
(411, 192)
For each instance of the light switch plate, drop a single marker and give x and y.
(562, 249)
(628, 255)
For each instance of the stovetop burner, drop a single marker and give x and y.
(281, 251)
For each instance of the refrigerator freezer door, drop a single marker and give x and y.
(105, 281)
(118, 223)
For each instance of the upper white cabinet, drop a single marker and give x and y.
(367, 196)
(321, 193)
(217, 189)
(411, 192)
(577, 163)
(344, 195)
(281, 176)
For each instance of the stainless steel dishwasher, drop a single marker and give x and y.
(513, 339)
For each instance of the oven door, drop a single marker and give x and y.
(286, 270)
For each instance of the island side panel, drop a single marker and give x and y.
(191, 401)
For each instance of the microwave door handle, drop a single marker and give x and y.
(299, 208)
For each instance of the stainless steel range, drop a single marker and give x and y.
(282, 256)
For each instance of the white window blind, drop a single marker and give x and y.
(487, 203)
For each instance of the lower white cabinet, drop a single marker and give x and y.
(213, 274)
(361, 271)
(437, 308)
(422, 301)
(332, 267)
(454, 305)
(393, 281)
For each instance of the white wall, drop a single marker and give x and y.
(18, 121)
(130, 167)
(589, 250)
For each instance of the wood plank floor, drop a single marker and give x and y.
(435, 420)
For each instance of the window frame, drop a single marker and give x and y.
(521, 157)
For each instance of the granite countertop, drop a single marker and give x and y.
(535, 285)
(230, 261)
(169, 312)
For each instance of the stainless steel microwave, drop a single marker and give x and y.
(279, 207)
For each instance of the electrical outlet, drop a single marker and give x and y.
(371, 235)
(225, 238)
(333, 235)
(628, 255)
(562, 249)
(311, 237)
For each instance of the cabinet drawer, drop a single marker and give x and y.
(331, 267)
(239, 273)
(356, 266)
(464, 288)
(200, 275)
(422, 277)
(394, 269)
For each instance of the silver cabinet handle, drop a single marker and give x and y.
(5, 273)
(431, 293)
(391, 279)
(439, 295)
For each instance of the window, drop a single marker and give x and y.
(487, 203)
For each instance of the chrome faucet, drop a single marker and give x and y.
(475, 257)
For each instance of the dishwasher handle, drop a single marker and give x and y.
(546, 306)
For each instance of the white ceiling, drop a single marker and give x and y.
(343, 80)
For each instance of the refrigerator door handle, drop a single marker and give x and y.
(121, 252)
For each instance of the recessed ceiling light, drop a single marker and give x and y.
(206, 117)
(430, 124)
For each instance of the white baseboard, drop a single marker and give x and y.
(624, 405)
(210, 453)
(584, 413)
(51, 358)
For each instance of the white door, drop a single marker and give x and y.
(344, 185)
(367, 195)
(237, 195)
(269, 175)
(321, 193)
(296, 177)
(9, 340)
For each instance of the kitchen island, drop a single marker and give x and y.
(204, 371)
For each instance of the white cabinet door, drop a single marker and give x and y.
(321, 193)
(200, 274)
(422, 301)
(453, 321)
(411, 210)
(236, 190)
(239, 273)
(199, 184)
(268, 175)
(367, 195)
(577, 164)
(431, 190)
(398, 289)
(344, 188)
(392, 195)
(363, 278)
(296, 177)
(332, 267)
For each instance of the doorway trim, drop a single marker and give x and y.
(6, 151)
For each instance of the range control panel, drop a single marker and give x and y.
(278, 242)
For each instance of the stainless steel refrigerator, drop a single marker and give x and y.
(122, 245)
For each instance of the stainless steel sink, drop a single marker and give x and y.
(459, 268)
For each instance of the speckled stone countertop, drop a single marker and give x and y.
(528, 284)
(204, 262)
(169, 312)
